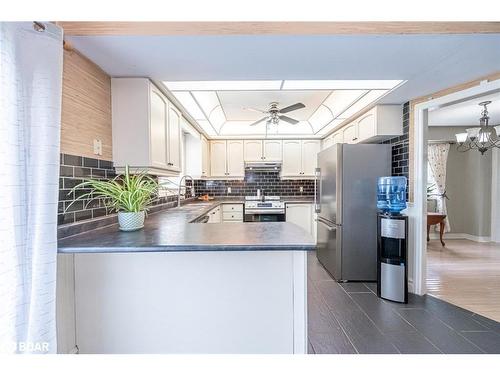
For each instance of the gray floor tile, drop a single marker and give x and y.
(315, 270)
(404, 336)
(325, 333)
(487, 341)
(492, 325)
(354, 287)
(372, 287)
(442, 336)
(363, 334)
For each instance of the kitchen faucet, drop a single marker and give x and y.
(180, 187)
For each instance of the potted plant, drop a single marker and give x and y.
(128, 195)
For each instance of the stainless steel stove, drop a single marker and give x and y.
(263, 208)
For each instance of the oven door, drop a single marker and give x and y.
(263, 217)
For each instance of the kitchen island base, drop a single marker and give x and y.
(191, 302)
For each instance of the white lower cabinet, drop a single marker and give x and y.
(303, 215)
(232, 213)
(215, 216)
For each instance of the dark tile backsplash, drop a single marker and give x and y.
(400, 153)
(73, 169)
(269, 182)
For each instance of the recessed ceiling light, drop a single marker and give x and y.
(366, 100)
(350, 84)
(187, 101)
(222, 85)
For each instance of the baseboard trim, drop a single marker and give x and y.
(460, 236)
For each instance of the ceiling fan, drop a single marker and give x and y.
(274, 114)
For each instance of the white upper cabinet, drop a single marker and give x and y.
(350, 133)
(338, 138)
(263, 150)
(380, 123)
(146, 128)
(327, 142)
(253, 150)
(292, 158)
(218, 159)
(174, 137)
(310, 149)
(235, 162)
(205, 157)
(300, 157)
(226, 158)
(273, 150)
(158, 121)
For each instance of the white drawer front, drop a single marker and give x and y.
(232, 207)
(232, 216)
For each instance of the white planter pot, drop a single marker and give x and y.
(130, 221)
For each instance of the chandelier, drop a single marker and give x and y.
(483, 138)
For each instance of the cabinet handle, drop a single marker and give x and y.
(355, 139)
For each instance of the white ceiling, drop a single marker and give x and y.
(466, 113)
(427, 62)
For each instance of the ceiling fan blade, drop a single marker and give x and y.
(256, 122)
(292, 107)
(254, 110)
(289, 119)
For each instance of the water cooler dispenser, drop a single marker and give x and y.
(392, 240)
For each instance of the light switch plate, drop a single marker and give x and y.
(229, 189)
(301, 189)
(97, 147)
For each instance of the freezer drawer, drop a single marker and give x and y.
(328, 247)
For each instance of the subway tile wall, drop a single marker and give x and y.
(73, 169)
(269, 182)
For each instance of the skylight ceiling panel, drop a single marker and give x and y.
(321, 117)
(331, 126)
(205, 125)
(223, 85)
(302, 128)
(187, 101)
(350, 84)
(340, 100)
(217, 117)
(243, 128)
(365, 101)
(207, 100)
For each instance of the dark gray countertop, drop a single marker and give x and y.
(171, 230)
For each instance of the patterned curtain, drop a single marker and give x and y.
(438, 156)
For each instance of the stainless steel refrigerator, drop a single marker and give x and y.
(346, 207)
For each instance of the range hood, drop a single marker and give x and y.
(263, 166)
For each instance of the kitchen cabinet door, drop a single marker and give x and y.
(350, 134)
(235, 162)
(327, 142)
(273, 150)
(158, 129)
(292, 159)
(300, 214)
(174, 138)
(205, 158)
(218, 158)
(338, 138)
(253, 150)
(366, 126)
(310, 149)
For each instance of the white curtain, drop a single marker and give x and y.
(30, 117)
(438, 156)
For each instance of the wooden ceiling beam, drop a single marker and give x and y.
(275, 28)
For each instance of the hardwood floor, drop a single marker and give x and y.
(350, 318)
(467, 274)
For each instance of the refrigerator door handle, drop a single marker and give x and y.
(326, 224)
(317, 180)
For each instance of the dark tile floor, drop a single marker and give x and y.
(350, 318)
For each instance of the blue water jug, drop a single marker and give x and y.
(391, 194)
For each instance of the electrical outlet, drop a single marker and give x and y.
(97, 147)
(301, 189)
(229, 189)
